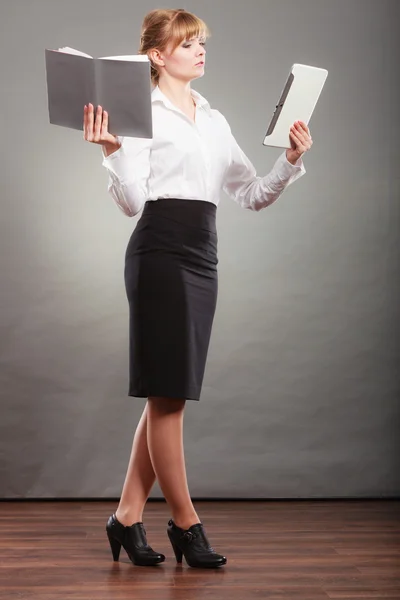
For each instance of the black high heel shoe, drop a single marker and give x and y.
(194, 545)
(133, 539)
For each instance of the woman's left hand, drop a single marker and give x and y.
(301, 141)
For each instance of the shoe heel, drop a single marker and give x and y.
(115, 547)
(177, 551)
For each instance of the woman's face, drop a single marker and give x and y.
(183, 62)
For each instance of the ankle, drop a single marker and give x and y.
(185, 521)
(127, 518)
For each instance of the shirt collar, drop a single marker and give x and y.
(158, 95)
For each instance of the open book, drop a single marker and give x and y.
(121, 85)
(297, 102)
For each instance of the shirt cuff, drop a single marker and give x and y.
(130, 158)
(288, 171)
(113, 154)
(118, 163)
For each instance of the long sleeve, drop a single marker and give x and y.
(128, 170)
(253, 192)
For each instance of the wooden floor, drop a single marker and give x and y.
(299, 550)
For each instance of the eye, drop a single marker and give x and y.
(188, 45)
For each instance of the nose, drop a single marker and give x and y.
(202, 50)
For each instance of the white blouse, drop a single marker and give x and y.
(191, 160)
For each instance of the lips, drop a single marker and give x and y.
(199, 63)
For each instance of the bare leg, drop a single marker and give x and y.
(139, 478)
(165, 443)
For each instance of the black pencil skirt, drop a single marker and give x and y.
(171, 283)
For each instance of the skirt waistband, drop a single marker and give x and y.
(200, 214)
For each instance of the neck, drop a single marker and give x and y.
(179, 92)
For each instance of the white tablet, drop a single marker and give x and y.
(297, 102)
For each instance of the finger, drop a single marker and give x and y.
(104, 126)
(303, 126)
(303, 135)
(85, 121)
(308, 138)
(294, 135)
(97, 124)
(294, 140)
(303, 138)
(299, 145)
(303, 131)
(90, 123)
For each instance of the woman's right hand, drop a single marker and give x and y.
(95, 129)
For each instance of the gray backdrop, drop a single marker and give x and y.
(301, 392)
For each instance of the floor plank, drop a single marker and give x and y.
(302, 550)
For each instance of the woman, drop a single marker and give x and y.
(171, 266)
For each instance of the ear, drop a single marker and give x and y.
(156, 58)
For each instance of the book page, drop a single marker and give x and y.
(68, 50)
(123, 89)
(70, 85)
(132, 57)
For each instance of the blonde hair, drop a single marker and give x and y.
(163, 26)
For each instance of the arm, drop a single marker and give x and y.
(128, 172)
(253, 192)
